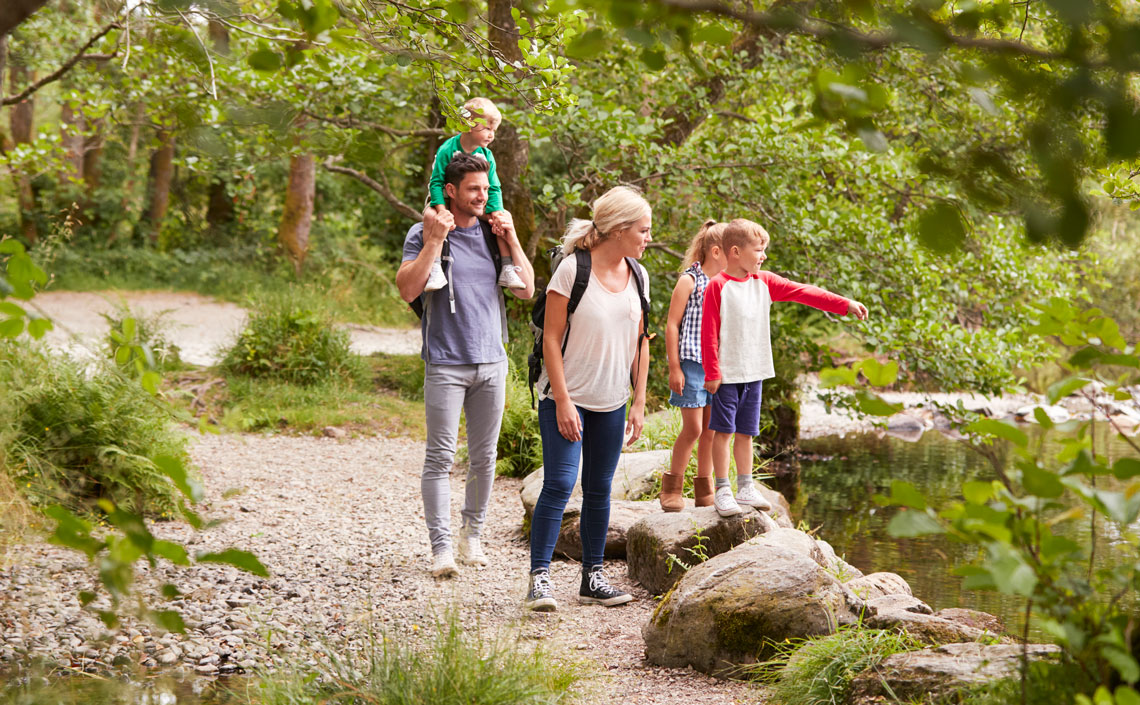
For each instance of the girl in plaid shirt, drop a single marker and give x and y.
(704, 259)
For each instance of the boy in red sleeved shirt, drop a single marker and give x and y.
(736, 351)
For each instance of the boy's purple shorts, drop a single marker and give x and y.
(736, 408)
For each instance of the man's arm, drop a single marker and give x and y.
(412, 275)
(504, 227)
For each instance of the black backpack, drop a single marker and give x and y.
(581, 280)
(492, 240)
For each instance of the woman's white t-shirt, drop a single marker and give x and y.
(603, 339)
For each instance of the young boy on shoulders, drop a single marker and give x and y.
(483, 118)
(737, 352)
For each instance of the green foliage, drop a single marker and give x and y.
(820, 671)
(137, 342)
(19, 280)
(456, 666)
(81, 437)
(288, 340)
(403, 374)
(1016, 520)
(520, 444)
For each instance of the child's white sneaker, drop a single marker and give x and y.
(443, 565)
(751, 496)
(724, 502)
(436, 279)
(510, 278)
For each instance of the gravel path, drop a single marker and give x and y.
(200, 326)
(339, 524)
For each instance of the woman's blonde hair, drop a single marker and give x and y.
(710, 235)
(615, 210)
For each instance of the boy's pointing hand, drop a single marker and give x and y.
(857, 309)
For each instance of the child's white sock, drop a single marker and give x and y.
(723, 482)
(743, 481)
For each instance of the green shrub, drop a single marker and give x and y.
(149, 332)
(403, 374)
(458, 667)
(820, 671)
(520, 444)
(76, 437)
(288, 339)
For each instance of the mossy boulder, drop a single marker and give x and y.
(727, 611)
(623, 515)
(662, 545)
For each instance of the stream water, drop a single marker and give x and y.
(838, 477)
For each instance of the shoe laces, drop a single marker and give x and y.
(598, 581)
(541, 586)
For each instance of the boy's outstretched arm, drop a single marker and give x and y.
(782, 289)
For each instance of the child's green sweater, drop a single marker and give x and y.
(443, 157)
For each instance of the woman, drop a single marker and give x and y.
(586, 385)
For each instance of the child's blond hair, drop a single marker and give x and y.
(709, 236)
(615, 210)
(741, 232)
(478, 109)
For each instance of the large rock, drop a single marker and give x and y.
(635, 478)
(840, 568)
(728, 610)
(878, 585)
(691, 537)
(781, 511)
(623, 515)
(973, 618)
(795, 540)
(936, 674)
(909, 617)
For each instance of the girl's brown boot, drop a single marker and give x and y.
(671, 485)
(703, 490)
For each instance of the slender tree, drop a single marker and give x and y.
(21, 118)
(297, 215)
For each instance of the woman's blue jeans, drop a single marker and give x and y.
(599, 452)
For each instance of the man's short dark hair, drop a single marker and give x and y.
(461, 165)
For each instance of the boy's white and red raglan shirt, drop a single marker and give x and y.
(735, 339)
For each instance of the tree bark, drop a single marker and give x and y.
(297, 216)
(13, 12)
(159, 179)
(220, 206)
(73, 142)
(512, 151)
(21, 118)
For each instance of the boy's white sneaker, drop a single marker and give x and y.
(751, 496)
(436, 279)
(443, 565)
(724, 502)
(471, 550)
(510, 278)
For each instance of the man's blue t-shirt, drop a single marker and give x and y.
(474, 333)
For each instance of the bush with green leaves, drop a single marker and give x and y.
(456, 667)
(80, 436)
(1081, 591)
(289, 339)
(137, 341)
(520, 444)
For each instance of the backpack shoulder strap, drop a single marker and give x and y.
(492, 241)
(581, 280)
(639, 282)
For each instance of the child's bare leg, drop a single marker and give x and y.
(720, 453)
(686, 439)
(704, 445)
(742, 454)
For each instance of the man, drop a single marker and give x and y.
(465, 361)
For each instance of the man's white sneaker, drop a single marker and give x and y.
(471, 550)
(725, 505)
(443, 565)
(510, 278)
(751, 496)
(436, 279)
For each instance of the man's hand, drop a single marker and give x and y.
(503, 225)
(437, 224)
(711, 385)
(857, 309)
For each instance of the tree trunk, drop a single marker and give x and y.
(297, 216)
(220, 207)
(159, 178)
(73, 142)
(431, 144)
(512, 152)
(21, 118)
(13, 12)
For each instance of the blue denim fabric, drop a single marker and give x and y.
(599, 451)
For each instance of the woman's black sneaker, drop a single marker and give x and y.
(540, 598)
(596, 590)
